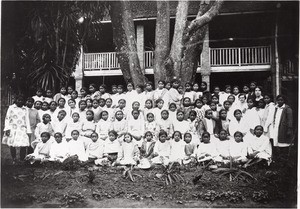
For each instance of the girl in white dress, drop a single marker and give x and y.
(109, 109)
(238, 123)
(150, 124)
(159, 107)
(88, 125)
(42, 149)
(130, 95)
(119, 125)
(172, 111)
(180, 124)
(189, 93)
(206, 150)
(76, 146)
(148, 107)
(103, 126)
(59, 124)
(161, 93)
(259, 147)
(97, 110)
(198, 93)
(177, 153)
(164, 123)
(129, 152)
(136, 127)
(222, 147)
(59, 149)
(44, 126)
(238, 148)
(95, 148)
(162, 149)
(76, 124)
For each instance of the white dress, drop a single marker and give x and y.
(58, 151)
(102, 129)
(95, 149)
(206, 151)
(163, 150)
(261, 144)
(177, 153)
(238, 150)
(77, 147)
(128, 153)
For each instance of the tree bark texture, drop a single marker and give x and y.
(125, 41)
(162, 40)
(174, 62)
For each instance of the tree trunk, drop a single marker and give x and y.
(191, 55)
(177, 43)
(125, 42)
(162, 40)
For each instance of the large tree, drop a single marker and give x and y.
(178, 61)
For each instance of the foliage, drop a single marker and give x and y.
(127, 173)
(72, 198)
(260, 196)
(51, 45)
(230, 196)
(71, 163)
(170, 174)
(234, 173)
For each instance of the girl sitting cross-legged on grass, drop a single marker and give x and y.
(206, 150)
(129, 152)
(162, 149)
(238, 148)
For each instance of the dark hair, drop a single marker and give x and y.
(58, 133)
(164, 111)
(122, 100)
(61, 99)
(74, 131)
(158, 101)
(281, 96)
(205, 133)
(62, 111)
(46, 133)
(113, 132)
(180, 135)
(129, 135)
(93, 85)
(162, 132)
(95, 133)
(75, 113)
(149, 113)
(53, 102)
(238, 132)
(102, 113)
(172, 104)
(150, 102)
(187, 133)
(30, 99)
(148, 132)
(161, 81)
(259, 126)
(108, 99)
(237, 110)
(90, 112)
(103, 86)
(193, 112)
(81, 101)
(223, 130)
(73, 100)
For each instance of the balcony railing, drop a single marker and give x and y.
(241, 56)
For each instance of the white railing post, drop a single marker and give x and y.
(240, 60)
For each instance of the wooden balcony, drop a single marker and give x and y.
(238, 59)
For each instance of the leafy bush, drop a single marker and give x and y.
(229, 196)
(261, 196)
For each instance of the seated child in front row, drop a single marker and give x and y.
(95, 148)
(42, 149)
(189, 149)
(111, 149)
(222, 147)
(76, 146)
(147, 145)
(59, 149)
(238, 148)
(177, 153)
(206, 150)
(129, 152)
(162, 149)
(259, 147)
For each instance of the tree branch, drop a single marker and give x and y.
(205, 18)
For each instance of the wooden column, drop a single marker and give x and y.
(205, 60)
(78, 74)
(140, 44)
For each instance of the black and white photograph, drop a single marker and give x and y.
(149, 104)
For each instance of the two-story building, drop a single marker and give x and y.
(248, 40)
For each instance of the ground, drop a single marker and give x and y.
(52, 186)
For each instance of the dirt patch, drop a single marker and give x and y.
(51, 186)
